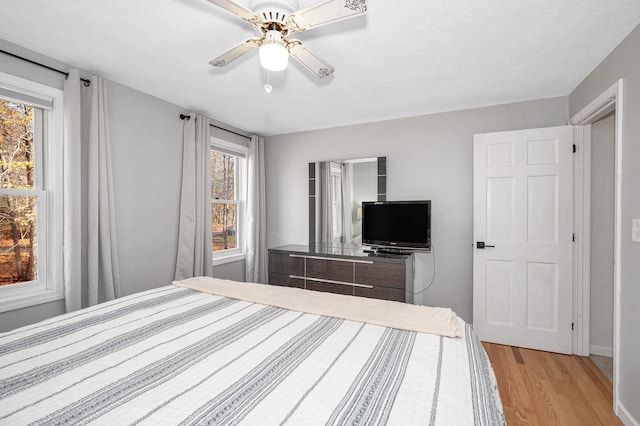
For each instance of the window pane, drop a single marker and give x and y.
(18, 242)
(224, 222)
(223, 176)
(16, 145)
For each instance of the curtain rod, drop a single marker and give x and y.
(186, 117)
(86, 82)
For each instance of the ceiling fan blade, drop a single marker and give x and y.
(238, 10)
(235, 52)
(325, 12)
(309, 60)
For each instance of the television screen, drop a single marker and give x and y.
(401, 224)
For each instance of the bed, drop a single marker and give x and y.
(208, 351)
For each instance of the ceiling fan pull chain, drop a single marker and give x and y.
(267, 87)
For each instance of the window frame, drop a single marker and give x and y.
(240, 151)
(49, 285)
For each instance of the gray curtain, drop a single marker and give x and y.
(86, 129)
(256, 269)
(72, 241)
(195, 255)
(103, 268)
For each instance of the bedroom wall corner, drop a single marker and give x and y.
(146, 141)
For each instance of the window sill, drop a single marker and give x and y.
(32, 298)
(229, 259)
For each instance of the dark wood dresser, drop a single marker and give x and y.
(343, 270)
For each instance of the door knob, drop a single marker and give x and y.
(481, 245)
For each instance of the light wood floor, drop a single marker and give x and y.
(543, 388)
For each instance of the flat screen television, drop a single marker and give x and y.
(397, 224)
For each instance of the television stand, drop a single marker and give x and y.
(394, 251)
(384, 251)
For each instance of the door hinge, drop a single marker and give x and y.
(572, 326)
(574, 147)
(573, 238)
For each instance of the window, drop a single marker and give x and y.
(228, 194)
(30, 183)
(20, 195)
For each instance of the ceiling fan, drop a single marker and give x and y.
(276, 20)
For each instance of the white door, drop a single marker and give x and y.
(522, 288)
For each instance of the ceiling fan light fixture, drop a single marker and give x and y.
(274, 56)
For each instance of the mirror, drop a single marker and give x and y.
(337, 189)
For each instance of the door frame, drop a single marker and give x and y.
(609, 100)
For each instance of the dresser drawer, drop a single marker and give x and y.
(330, 288)
(383, 274)
(386, 293)
(282, 263)
(334, 270)
(285, 280)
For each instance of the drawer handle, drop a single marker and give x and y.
(334, 259)
(320, 280)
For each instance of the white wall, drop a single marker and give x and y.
(428, 157)
(602, 231)
(146, 149)
(231, 271)
(624, 62)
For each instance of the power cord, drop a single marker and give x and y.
(413, 267)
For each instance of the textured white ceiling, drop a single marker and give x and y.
(403, 58)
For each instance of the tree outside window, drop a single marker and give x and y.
(18, 221)
(224, 200)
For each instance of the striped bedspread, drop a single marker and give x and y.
(174, 356)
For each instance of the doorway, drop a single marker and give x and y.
(607, 103)
(602, 235)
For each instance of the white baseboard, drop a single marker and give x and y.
(624, 415)
(601, 350)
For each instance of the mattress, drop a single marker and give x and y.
(174, 355)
